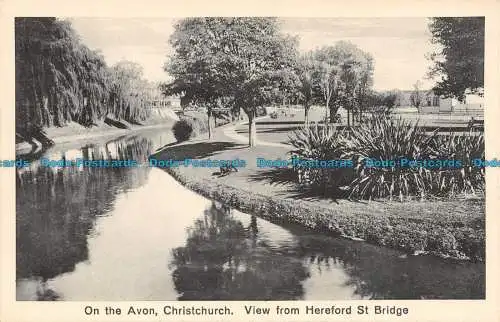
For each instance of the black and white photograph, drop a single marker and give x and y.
(209, 158)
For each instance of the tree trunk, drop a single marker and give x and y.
(35, 108)
(348, 118)
(47, 119)
(209, 125)
(252, 130)
(306, 115)
(209, 130)
(326, 111)
(333, 112)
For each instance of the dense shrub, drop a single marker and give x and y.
(189, 127)
(381, 139)
(465, 179)
(319, 143)
(261, 111)
(182, 129)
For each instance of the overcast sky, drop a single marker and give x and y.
(398, 45)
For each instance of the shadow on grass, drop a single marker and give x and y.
(275, 176)
(197, 150)
(115, 123)
(270, 130)
(166, 146)
(279, 130)
(318, 194)
(286, 176)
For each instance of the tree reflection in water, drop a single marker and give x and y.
(381, 273)
(222, 260)
(56, 209)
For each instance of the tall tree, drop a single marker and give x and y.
(128, 92)
(46, 80)
(327, 74)
(94, 80)
(459, 62)
(417, 96)
(342, 73)
(305, 70)
(365, 84)
(239, 59)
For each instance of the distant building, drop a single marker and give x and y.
(158, 100)
(428, 98)
(446, 104)
(432, 103)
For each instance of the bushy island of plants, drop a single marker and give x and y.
(384, 139)
(447, 234)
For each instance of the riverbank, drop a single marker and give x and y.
(74, 132)
(444, 228)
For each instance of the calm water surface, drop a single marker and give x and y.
(136, 234)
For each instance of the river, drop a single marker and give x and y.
(134, 234)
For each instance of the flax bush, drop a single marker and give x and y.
(320, 143)
(467, 179)
(381, 139)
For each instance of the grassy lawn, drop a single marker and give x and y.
(447, 228)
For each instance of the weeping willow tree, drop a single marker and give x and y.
(59, 80)
(46, 80)
(129, 92)
(94, 88)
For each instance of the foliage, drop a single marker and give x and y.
(128, 91)
(260, 111)
(381, 102)
(381, 139)
(389, 100)
(319, 143)
(417, 96)
(245, 62)
(459, 62)
(189, 127)
(182, 129)
(59, 79)
(316, 142)
(468, 179)
(306, 93)
(342, 75)
(337, 118)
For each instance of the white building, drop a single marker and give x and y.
(447, 104)
(473, 103)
